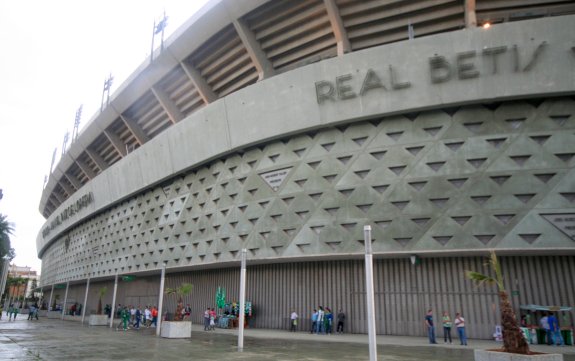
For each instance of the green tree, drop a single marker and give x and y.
(101, 292)
(513, 340)
(179, 293)
(6, 230)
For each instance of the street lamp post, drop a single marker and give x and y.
(242, 310)
(369, 294)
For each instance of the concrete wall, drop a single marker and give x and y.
(288, 103)
(403, 292)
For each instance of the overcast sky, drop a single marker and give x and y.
(55, 57)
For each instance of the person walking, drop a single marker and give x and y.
(446, 327)
(340, 321)
(430, 326)
(293, 321)
(9, 312)
(137, 317)
(15, 310)
(460, 325)
(125, 316)
(313, 321)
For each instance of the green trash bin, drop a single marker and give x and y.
(567, 337)
(541, 336)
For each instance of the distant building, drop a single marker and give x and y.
(26, 289)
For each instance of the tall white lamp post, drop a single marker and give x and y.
(369, 294)
(242, 310)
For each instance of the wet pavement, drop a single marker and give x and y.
(50, 339)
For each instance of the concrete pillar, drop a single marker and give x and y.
(65, 299)
(114, 301)
(161, 299)
(51, 295)
(85, 300)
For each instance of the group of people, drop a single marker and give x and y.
(13, 311)
(550, 324)
(447, 324)
(135, 316)
(322, 320)
(209, 319)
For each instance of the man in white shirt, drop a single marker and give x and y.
(147, 316)
(320, 314)
(460, 325)
(293, 321)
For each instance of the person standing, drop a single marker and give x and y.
(430, 326)
(293, 321)
(320, 315)
(555, 331)
(446, 327)
(132, 314)
(340, 321)
(147, 316)
(313, 321)
(187, 311)
(328, 320)
(460, 325)
(207, 319)
(544, 323)
(154, 316)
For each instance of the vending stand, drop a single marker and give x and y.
(531, 315)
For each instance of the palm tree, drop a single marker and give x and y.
(6, 230)
(101, 292)
(180, 292)
(513, 340)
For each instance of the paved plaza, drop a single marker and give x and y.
(50, 339)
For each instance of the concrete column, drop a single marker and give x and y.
(369, 294)
(161, 299)
(242, 310)
(114, 301)
(470, 14)
(65, 299)
(85, 300)
(51, 295)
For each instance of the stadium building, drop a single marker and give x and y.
(284, 127)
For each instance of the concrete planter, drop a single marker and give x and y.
(99, 320)
(485, 355)
(176, 329)
(54, 314)
(43, 313)
(72, 318)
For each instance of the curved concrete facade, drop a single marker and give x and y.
(448, 145)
